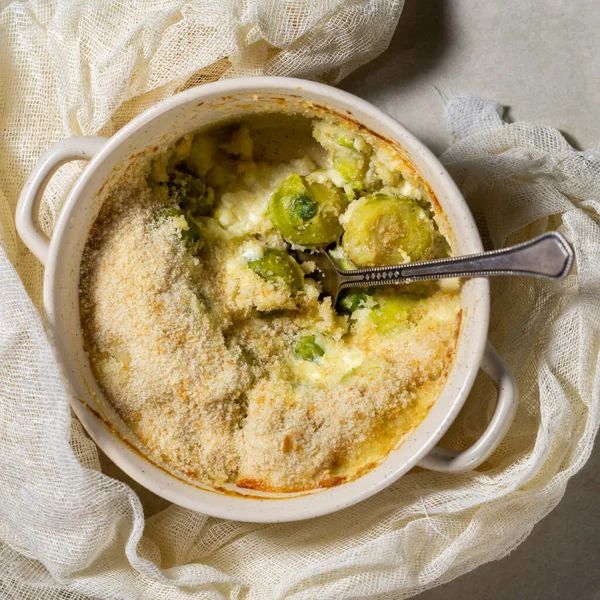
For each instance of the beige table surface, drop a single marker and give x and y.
(541, 58)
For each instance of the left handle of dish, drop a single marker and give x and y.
(28, 227)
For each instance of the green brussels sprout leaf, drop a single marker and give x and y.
(307, 348)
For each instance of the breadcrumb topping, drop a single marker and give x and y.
(195, 349)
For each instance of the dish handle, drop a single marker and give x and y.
(73, 148)
(449, 461)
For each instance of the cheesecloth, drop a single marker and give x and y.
(68, 531)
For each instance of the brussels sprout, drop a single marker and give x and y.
(277, 265)
(190, 233)
(202, 154)
(385, 230)
(306, 214)
(307, 348)
(352, 166)
(191, 193)
(392, 311)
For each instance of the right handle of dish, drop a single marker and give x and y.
(449, 461)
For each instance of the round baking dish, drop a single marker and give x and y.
(206, 106)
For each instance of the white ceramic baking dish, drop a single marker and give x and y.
(199, 108)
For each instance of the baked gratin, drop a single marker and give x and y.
(215, 346)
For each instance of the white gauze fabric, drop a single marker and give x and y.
(68, 531)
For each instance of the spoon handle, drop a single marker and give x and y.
(549, 256)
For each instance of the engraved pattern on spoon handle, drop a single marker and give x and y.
(548, 256)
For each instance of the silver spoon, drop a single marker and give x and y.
(548, 255)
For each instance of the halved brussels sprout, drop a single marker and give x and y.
(393, 311)
(385, 230)
(307, 348)
(306, 214)
(191, 193)
(277, 265)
